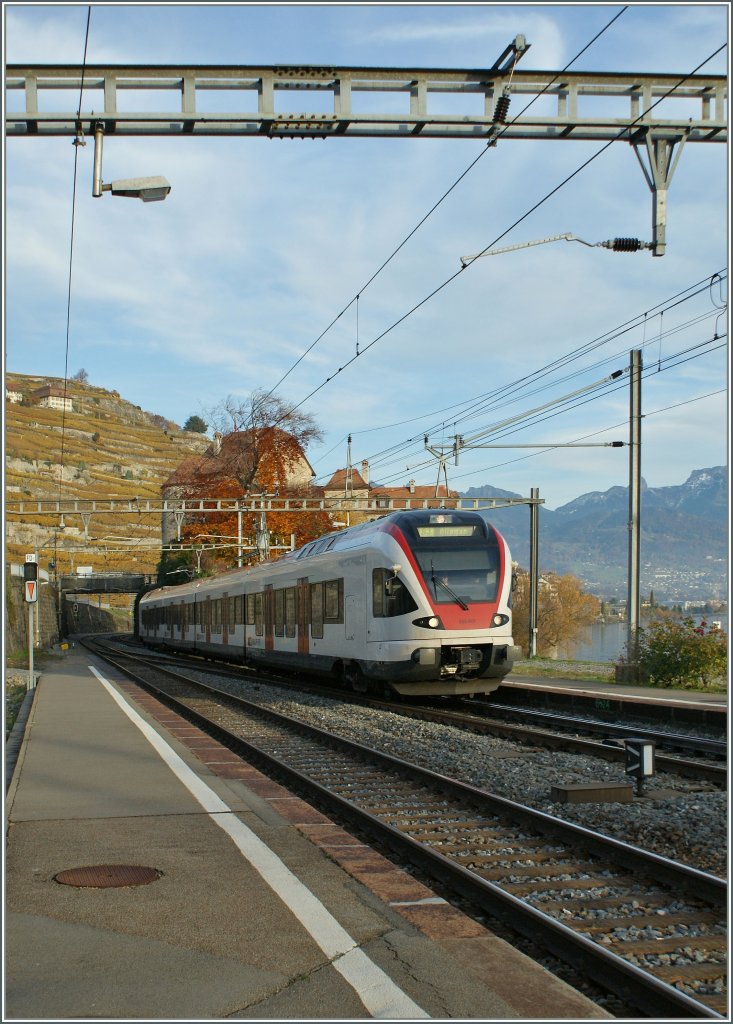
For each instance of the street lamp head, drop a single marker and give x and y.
(150, 190)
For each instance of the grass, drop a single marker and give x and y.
(599, 671)
(549, 668)
(14, 697)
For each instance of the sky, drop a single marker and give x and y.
(263, 243)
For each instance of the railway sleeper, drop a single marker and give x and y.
(540, 872)
(676, 974)
(520, 859)
(678, 944)
(437, 827)
(557, 887)
(687, 918)
(506, 845)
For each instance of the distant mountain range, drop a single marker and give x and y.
(684, 537)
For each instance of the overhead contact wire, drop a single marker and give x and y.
(62, 454)
(536, 206)
(445, 195)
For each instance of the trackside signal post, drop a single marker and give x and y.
(30, 580)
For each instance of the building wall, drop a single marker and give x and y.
(57, 403)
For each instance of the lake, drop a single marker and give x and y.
(606, 641)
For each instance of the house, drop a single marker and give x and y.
(353, 486)
(13, 396)
(52, 397)
(241, 463)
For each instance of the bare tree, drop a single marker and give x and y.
(262, 437)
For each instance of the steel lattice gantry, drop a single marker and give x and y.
(656, 114)
(384, 102)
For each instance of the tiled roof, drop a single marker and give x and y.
(338, 481)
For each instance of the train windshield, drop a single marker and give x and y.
(459, 563)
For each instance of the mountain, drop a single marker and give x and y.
(684, 537)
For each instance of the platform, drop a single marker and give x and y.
(621, 693)
(260, 906)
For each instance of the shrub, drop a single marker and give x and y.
(676, 652)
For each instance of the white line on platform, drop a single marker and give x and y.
(379, 994)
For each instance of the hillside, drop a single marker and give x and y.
(113, 449)
(109, 449)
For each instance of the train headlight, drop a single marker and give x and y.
(499, 620)
(429, 622)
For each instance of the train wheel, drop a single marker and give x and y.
(355, 679)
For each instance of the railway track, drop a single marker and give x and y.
(695, 757)
(649, 929)
(561, 736)
(689, 744)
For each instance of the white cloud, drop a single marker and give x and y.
(261, 244)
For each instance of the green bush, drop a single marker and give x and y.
(676, 652)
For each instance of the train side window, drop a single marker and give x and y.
(290, 611)
(279, 613)
(334, 603)
(259, 614)
(249, 610)
(239, 613)
(390, 596)
(317, 610)
(233, 602)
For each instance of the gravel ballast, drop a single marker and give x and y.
(679, 818)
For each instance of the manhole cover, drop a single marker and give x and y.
(108, 876)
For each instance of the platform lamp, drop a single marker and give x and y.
(150, 190)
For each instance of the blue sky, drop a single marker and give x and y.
(262, 243)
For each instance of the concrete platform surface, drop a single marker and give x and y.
(702, 700)
(263, 908)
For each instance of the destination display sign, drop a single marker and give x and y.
(445, 531)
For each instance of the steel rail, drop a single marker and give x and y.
(701, 744)
(611, 751)
(654, 996)
(469, 721)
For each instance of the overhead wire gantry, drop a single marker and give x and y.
(657, 114)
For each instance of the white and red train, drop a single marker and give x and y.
(418, 602)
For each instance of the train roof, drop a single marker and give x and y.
(339, 540)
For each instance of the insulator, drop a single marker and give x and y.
(627, 245)
(501, 109)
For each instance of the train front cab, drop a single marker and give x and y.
(457, 639)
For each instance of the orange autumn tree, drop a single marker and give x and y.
(258, 449)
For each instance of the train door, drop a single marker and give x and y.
(303, 601)
(269, 602)
(355, 591)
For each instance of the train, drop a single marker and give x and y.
(417, 602)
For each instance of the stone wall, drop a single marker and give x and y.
(79, 616)
(17, 618)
